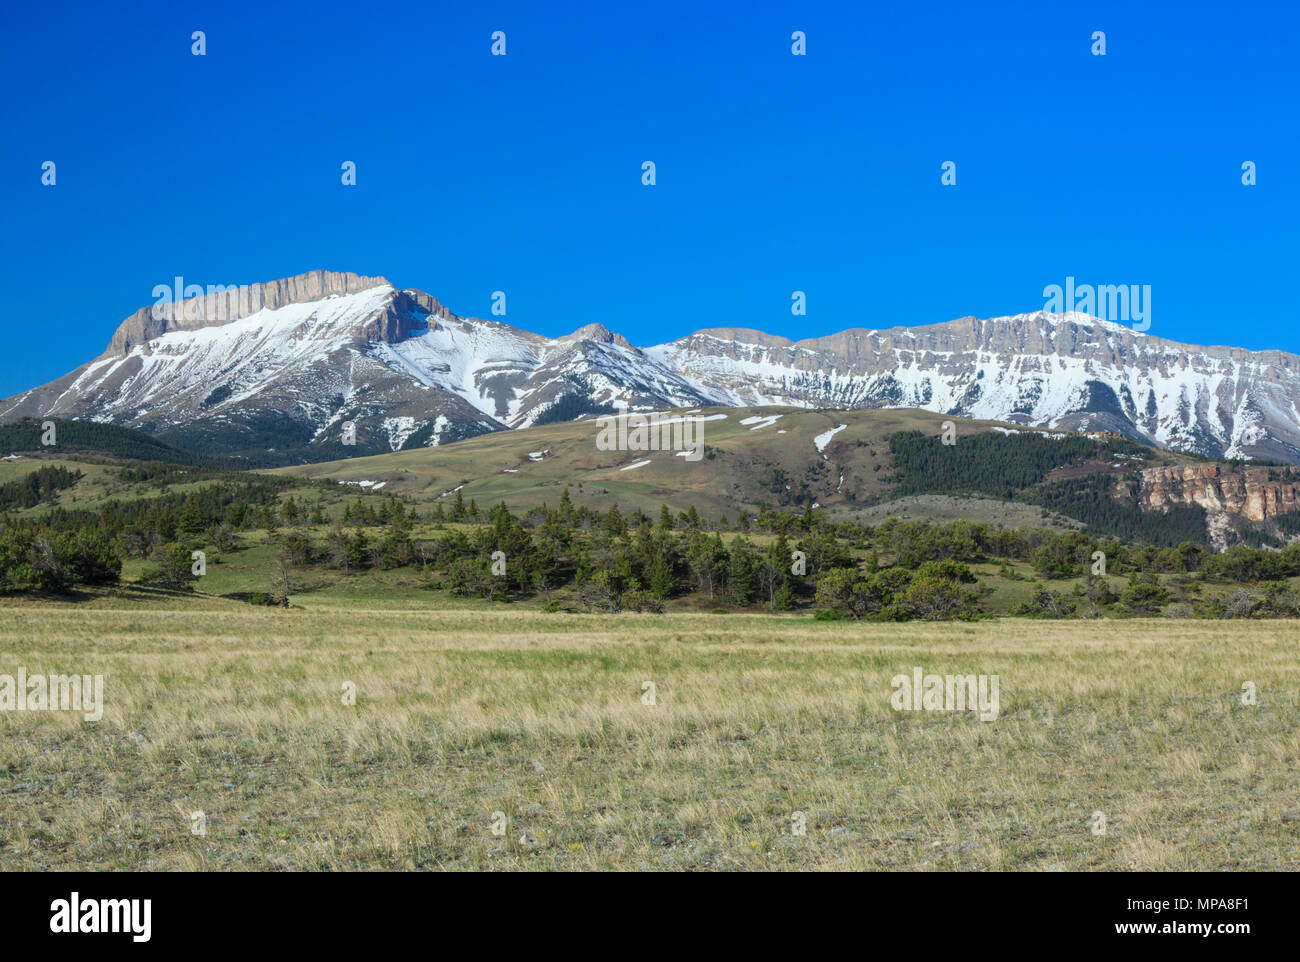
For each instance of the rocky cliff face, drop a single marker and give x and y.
(233, 304)
(1227, 493)
(1243, 492)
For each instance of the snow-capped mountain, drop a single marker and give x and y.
(290, 363)
(1054, 370)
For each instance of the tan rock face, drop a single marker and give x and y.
(598, 333)
(223, 307)
(1246, 493)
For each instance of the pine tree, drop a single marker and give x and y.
(500, 518)
(191, 520)
(614, 524)
(164, 521)
(660, 574)
(741, 572)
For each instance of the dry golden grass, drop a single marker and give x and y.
(461, 714)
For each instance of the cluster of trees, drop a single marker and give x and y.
(1075, 554)
(1071, 555)
(932, 592)
(34, 559)
(1143, 596)
(1274, 533)
(1053, 554)
(1273, 599)
(899, 570)
(1146, 595)
(161, 473)
(214, 510)
(66, 548)
(38, 486)
(615, 562)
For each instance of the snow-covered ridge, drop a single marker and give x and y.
(400, 370)
(1039, 369)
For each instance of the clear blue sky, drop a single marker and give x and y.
(775, 173)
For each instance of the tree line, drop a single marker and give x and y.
(611, 560)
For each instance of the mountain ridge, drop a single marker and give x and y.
(287, 364)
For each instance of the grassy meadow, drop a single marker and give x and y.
(465, 711)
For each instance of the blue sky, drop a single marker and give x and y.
(775, 173)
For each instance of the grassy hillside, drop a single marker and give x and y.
(772, 460)
(104, 481)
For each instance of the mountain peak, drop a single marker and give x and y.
(598, 333)
(1081, 319)
(744, 335)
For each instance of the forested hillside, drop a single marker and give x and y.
(1019, 467)
(90, 437)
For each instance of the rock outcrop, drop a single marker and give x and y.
(1239, 493)
(229, 304)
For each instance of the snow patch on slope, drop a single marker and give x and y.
(824, 438)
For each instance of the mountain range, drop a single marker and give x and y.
(286, 365)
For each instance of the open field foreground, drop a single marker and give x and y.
(238, 713)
